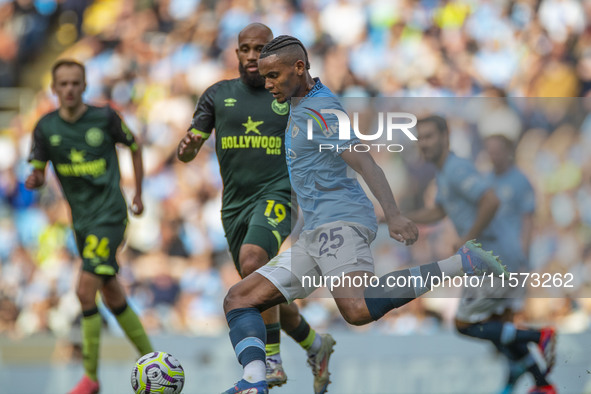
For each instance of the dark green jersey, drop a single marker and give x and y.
(85, 160)
(250, 132)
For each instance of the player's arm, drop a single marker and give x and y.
(487, 207)
(121, 134)
(38, 159)
(137, 206)
(201, 126)
(400, 228)
(427, 215)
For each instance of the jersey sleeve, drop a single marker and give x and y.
(204, 116)
(39, 155)
(119, 130)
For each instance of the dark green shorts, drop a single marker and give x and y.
(98, 248)
(266, 223)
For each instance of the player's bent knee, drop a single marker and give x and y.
(355, 320)
(230, 301)
(237, 297)
(355, 314)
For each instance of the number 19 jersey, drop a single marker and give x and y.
(250, 132)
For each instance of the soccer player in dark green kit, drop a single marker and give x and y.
(256, 203)
(79, 140)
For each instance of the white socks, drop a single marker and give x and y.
(452, 266)
(255, 371)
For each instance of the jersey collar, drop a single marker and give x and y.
(297, 101)
(317, 86)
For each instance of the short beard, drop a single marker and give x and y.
(255, 81)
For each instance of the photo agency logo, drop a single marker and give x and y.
(395, 122)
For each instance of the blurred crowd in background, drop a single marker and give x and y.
(152, 59)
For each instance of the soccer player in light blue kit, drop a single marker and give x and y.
(470, 201)
(339, 224)
(514, 218)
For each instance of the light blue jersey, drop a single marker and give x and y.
(517, 200)
(459, 189)
(325, 192)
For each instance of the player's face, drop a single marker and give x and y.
(499, 155)
(250, 44)
(280, 79)
(432, 142)
(68, 85)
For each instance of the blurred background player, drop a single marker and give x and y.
(515, 216)
(339, 224)
(79, 140)
(256, 201)
(470, 201)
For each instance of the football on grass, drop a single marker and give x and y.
(157, 372)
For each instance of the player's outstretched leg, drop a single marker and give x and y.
(318, 346)
(471, 259)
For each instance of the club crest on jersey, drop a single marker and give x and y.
(55, 140)
(94, 136)
(280, 109)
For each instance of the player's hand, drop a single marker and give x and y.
(137, 206)
(403, 229)
(35, 179)
(189, 143)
